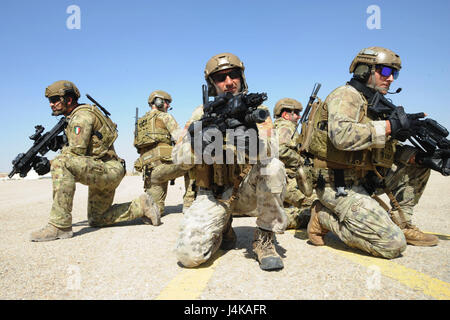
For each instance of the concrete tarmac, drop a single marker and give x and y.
(136, 261)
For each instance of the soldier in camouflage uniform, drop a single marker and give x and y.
(225, 188)
(353, 152)
(155, 133)
(296, 204)
(89, 158)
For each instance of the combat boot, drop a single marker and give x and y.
(412, 234)
(315, 230)
(417, 238)
(50, 232)
(151, 211)
(228, 236)
(264, 250)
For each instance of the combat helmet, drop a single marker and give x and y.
(220, 62)
(157, 98)
(286, 103)
(363, 65)
(61, 88)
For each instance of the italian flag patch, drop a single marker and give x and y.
(77, 130)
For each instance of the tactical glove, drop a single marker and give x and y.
(41, 166)
(438, 161)
(403, 124)
(58, 142)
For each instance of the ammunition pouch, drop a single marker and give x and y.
(217, 175)
(156, 156)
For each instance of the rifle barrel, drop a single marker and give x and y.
(98, 105)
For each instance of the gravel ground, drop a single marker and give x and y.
(136, 261)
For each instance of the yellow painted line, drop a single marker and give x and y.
(416, 280)
(440, 236)
(190, 282)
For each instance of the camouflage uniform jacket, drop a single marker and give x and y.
(288, 147)
(346, 106)
(184, 155)
(82, 135)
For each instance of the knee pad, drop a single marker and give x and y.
(201, 230)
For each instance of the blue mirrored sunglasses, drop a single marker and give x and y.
(387, 71)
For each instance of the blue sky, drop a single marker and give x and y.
(125, 50)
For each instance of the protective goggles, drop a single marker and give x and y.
(54, 99)
(220, 77)
(386, 71)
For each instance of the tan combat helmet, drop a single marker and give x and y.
(220, 62)
(363, 65)
(286, 103)
(61, 88)
(157, 98)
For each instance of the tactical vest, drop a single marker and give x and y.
(327, 155)
(103, 136)
(151, 130)
(152, 140)
(226, 175)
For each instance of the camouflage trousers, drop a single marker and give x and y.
(189, 195)
(361, 222)
(102, 178)
(203, 222)
(156, 181)
(297, 206)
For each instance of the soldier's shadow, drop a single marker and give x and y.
(173, 209)
(245, 237)
(244, 240)
(88, 229)
(332, 241)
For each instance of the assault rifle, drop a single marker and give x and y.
(428, 135)
(227, 111)
(43, 143)
(311, 100)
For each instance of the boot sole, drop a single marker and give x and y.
(271, 263)
(422, 243)
(63, 236)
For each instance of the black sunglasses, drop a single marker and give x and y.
(54, 99)
(220, 77)
(295, 111)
